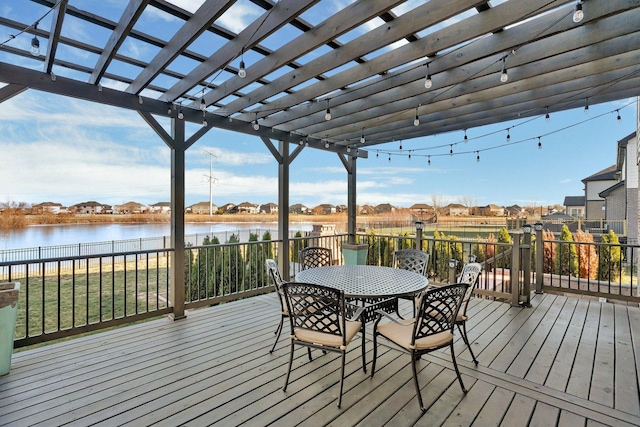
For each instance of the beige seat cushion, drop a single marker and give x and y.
(401, 335)
(328, 339)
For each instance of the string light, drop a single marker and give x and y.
(348, 149)
(586, 106)
(35, 43)
(451, 150)
(429, 160)
(169, 109)
(256, 126)
(203, 105)
(180, 115)
(578, 14)
(547, 117)
(204, 120)
(400, 145)
(327, 115)
(465, 136)
(508, 136)
(416, 120)
(140, 100)
(427, 82)
(504, 76)
(389, 157)
(362, 137)
(326, 144)
(619, 118)
(242, 72)
(478, 156)
(539, 144)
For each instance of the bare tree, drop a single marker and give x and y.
(438, 202)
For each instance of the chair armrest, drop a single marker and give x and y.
(386, 315)
(353, 312)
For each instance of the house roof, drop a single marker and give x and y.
(608, 191)
(607, 174)
(303, 57)
(574, 201)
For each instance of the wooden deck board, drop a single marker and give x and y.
(564, 362)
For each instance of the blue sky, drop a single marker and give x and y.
(69, 151)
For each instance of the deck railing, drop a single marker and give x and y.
(68, 295)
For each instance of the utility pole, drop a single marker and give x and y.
(211, 179)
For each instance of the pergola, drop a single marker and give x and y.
(310, 73)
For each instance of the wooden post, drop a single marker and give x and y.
(539, 257)
(515, 270)
(526, 266)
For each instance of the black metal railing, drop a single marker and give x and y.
(71, 295)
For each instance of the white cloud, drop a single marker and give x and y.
(228, 157)
(239, 16)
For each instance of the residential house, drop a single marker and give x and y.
(324, 209)
(248, 208)
(160, 207)
(621, 199)
(341, 208)
(230, 208)
(202, 208)
(456, 209)
(514, 211)
(384, 208)
(593, 186)
(131, 208)
(269, 208)
(574, 206)
(49, 207)
(90, 208)
(299, 209)
(366, 210)
(492, 210)
(420, 208)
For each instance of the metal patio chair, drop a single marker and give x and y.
(430, 330)
(471, 276)
(276, 277)
(411, 260)
(320, 318)
(315, 256)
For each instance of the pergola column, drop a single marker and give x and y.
(177, 287)
(283, 209)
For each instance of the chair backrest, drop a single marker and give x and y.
(314, 256)
(316, 308)
(412, 260)
(438, 310)
(272, 269)
(471, 276)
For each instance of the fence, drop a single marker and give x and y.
(63, 296)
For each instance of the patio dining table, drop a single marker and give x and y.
(375, 286)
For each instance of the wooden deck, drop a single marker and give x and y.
(564, 361)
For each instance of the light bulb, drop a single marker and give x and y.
(427, 82)
(205, 123)
(429, 161)
(327, 115)
(348, 149)
(242, 73)
(140, 100)
(586, 107)
(180, 115)
(326, 145)
(547, 117)
(504, 77)
(35, 46)
(256, 126)
(578, 14)
(619, 117)
(169, 109)
(478, 158)
(539, 144)
(203, 105)
(362, 139)
(416, 121)
(508, 136)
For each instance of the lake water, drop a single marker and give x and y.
(67, 234)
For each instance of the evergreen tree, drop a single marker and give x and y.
(610, 258)
(567, 257)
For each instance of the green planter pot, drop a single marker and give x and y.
(354, 254)
(9, 292)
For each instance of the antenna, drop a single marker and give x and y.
(211, 179)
